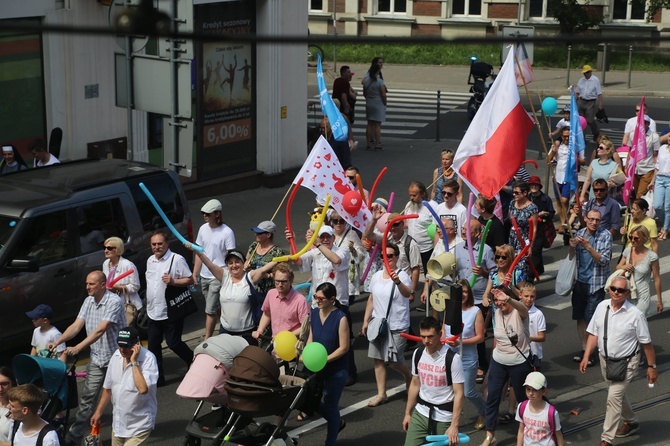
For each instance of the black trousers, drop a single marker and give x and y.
(172, 331)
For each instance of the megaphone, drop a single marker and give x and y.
(442, 265)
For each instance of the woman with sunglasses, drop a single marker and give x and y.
(329, 327)
(602, 167)
(503, 258)
(346, 237)
(643, 264)
(262, 251)
(389, 299)
(510, 359)
(443, 173)
(115, 265)
(638, 212)
(525, 212)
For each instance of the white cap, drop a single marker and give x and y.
(325, 229)
(536, 380)
(211, 206)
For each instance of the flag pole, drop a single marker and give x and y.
(562, 211)
(282, 202)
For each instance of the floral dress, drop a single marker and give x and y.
(522, 217)
(257, 261)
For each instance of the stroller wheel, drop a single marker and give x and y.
(191, 441)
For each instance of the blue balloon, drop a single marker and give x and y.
(549, 106)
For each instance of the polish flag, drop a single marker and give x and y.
(494, 145)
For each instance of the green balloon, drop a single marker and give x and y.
(314, 356)
(431, 230)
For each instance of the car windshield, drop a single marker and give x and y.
(7, 226)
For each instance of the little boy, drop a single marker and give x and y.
(536, 322)
(44, 333)
(24, 403)
(539, 423)
(565, 122)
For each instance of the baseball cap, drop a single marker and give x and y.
(381, 202)
(211, 206)
(536, 380)
(128, 337)
(265, 226)
(586, 69)
(40, 311)
(234, 253)
(535, 180)
(325, 229)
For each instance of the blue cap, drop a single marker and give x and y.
(40, 311)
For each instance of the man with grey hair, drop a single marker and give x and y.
(618, 328)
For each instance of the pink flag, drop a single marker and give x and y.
(524, 63)
(323, 174)
(494, 145)
(637, 152)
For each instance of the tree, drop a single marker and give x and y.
(653, 6)
(574, 17)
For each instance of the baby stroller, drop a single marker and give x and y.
(57, 379)
(205, 382)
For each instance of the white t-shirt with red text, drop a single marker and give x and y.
(434, 389)
(536, 428)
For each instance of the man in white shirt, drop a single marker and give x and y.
(619, 329)
(629, 129)
(451, 208)
(165, 268)
(435, 395)
(42, 155)
(216, 238)
(417, 228)
(589, 95)
(130, 384)
(645, 168)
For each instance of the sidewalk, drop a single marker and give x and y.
(548, 81)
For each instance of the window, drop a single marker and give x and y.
(46, 238)
(392, 6)
(99, 221)
(466, 7)
(168, 198)
(316, 5)
(540, 9)
(628, 10)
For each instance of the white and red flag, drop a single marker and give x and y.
(323, 174)
(524, 63)
(637, 153)
(494, 145)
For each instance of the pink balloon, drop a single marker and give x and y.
(582, 122)
(352, 202)
(381, 223)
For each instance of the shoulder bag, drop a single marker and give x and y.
(378, 328)
(179, 300)
(615, 369)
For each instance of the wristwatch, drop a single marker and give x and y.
(653, 366)
(134, 364)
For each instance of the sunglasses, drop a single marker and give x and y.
(206, 214)
(517, 192)
(497, 257)
(637, 110)
(618, 290)
(351, 178)
(634, 238)
(110, 248)
(599, 189)
(396, 224)
(338, 221)
(319, 298)
(602, 148)
(448, 194)
(390, 256)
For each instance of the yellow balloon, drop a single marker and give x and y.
(285, 345)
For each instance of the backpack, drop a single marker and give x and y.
(256, 299)
(448, 359)
(552, 412)
(40, 437)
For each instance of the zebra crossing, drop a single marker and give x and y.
(408, 111)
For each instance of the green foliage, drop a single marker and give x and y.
(572, 16)
(653, 6)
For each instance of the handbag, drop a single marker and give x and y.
(549, 234)
(130, 309)
(566, 276)
(179, 300)
(378, 328)
(615, 369)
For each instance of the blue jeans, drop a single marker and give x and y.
(498, 376)
(662, 200)
(329, 409)
(470, 385)
(95, 377)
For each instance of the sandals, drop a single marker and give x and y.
(303, 417)
(378, 401)
(480, 377)
(662, 235)
(379, 148)
(506, 418)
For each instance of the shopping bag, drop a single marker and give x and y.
(566, 276)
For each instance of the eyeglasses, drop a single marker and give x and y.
(390, 256)
(499, 302)
(634, 238)
(499, 257)
(206, 214)
(599, 189)
(448, 194)
(110, 248)
(618, 290)
(338, 221)
(281, 281)
(594, 219)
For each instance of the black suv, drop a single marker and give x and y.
(53, 221)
